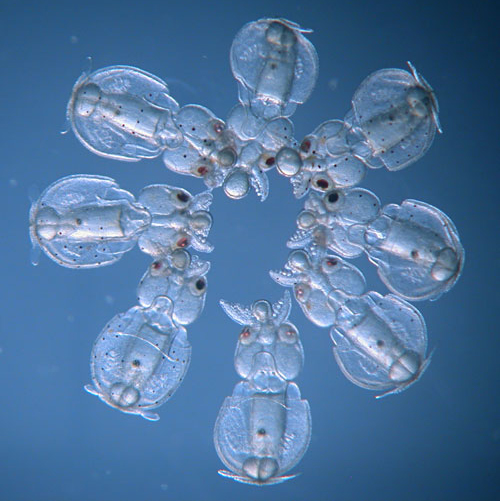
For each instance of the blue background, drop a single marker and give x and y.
(439, 440)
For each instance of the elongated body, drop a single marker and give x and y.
(86, 221)
(124, 113)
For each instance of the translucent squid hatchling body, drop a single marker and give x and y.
(276, 68)
(207, 149)
(392, 123)
(275, 65)
(85, 221)
(123, 113)
(139, 359)
(126, 113)
(142, 356)
(380, 342)
(415, 247)
(393, 119)
(264, 428)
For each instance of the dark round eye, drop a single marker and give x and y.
(270, 161)
(331, 262)
(156, 265)
(332, 197)
(182, 197)
(200, 284)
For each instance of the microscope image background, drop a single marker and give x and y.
(444, 430)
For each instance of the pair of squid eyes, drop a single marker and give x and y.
(287, 333)
(197, 286)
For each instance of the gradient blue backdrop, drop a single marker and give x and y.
(438, 441)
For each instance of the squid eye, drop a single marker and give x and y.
(246, 336)
(266, 160)
(321, 183)
(182, 196)
(199, 286)
(302, 292)
(332, 197)
(288, 333)
(330, 264)
(182, 242)
(201, 171)
(218, 127)
(305, 145)
(333, 200)
(270, 161)
(157, 268)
